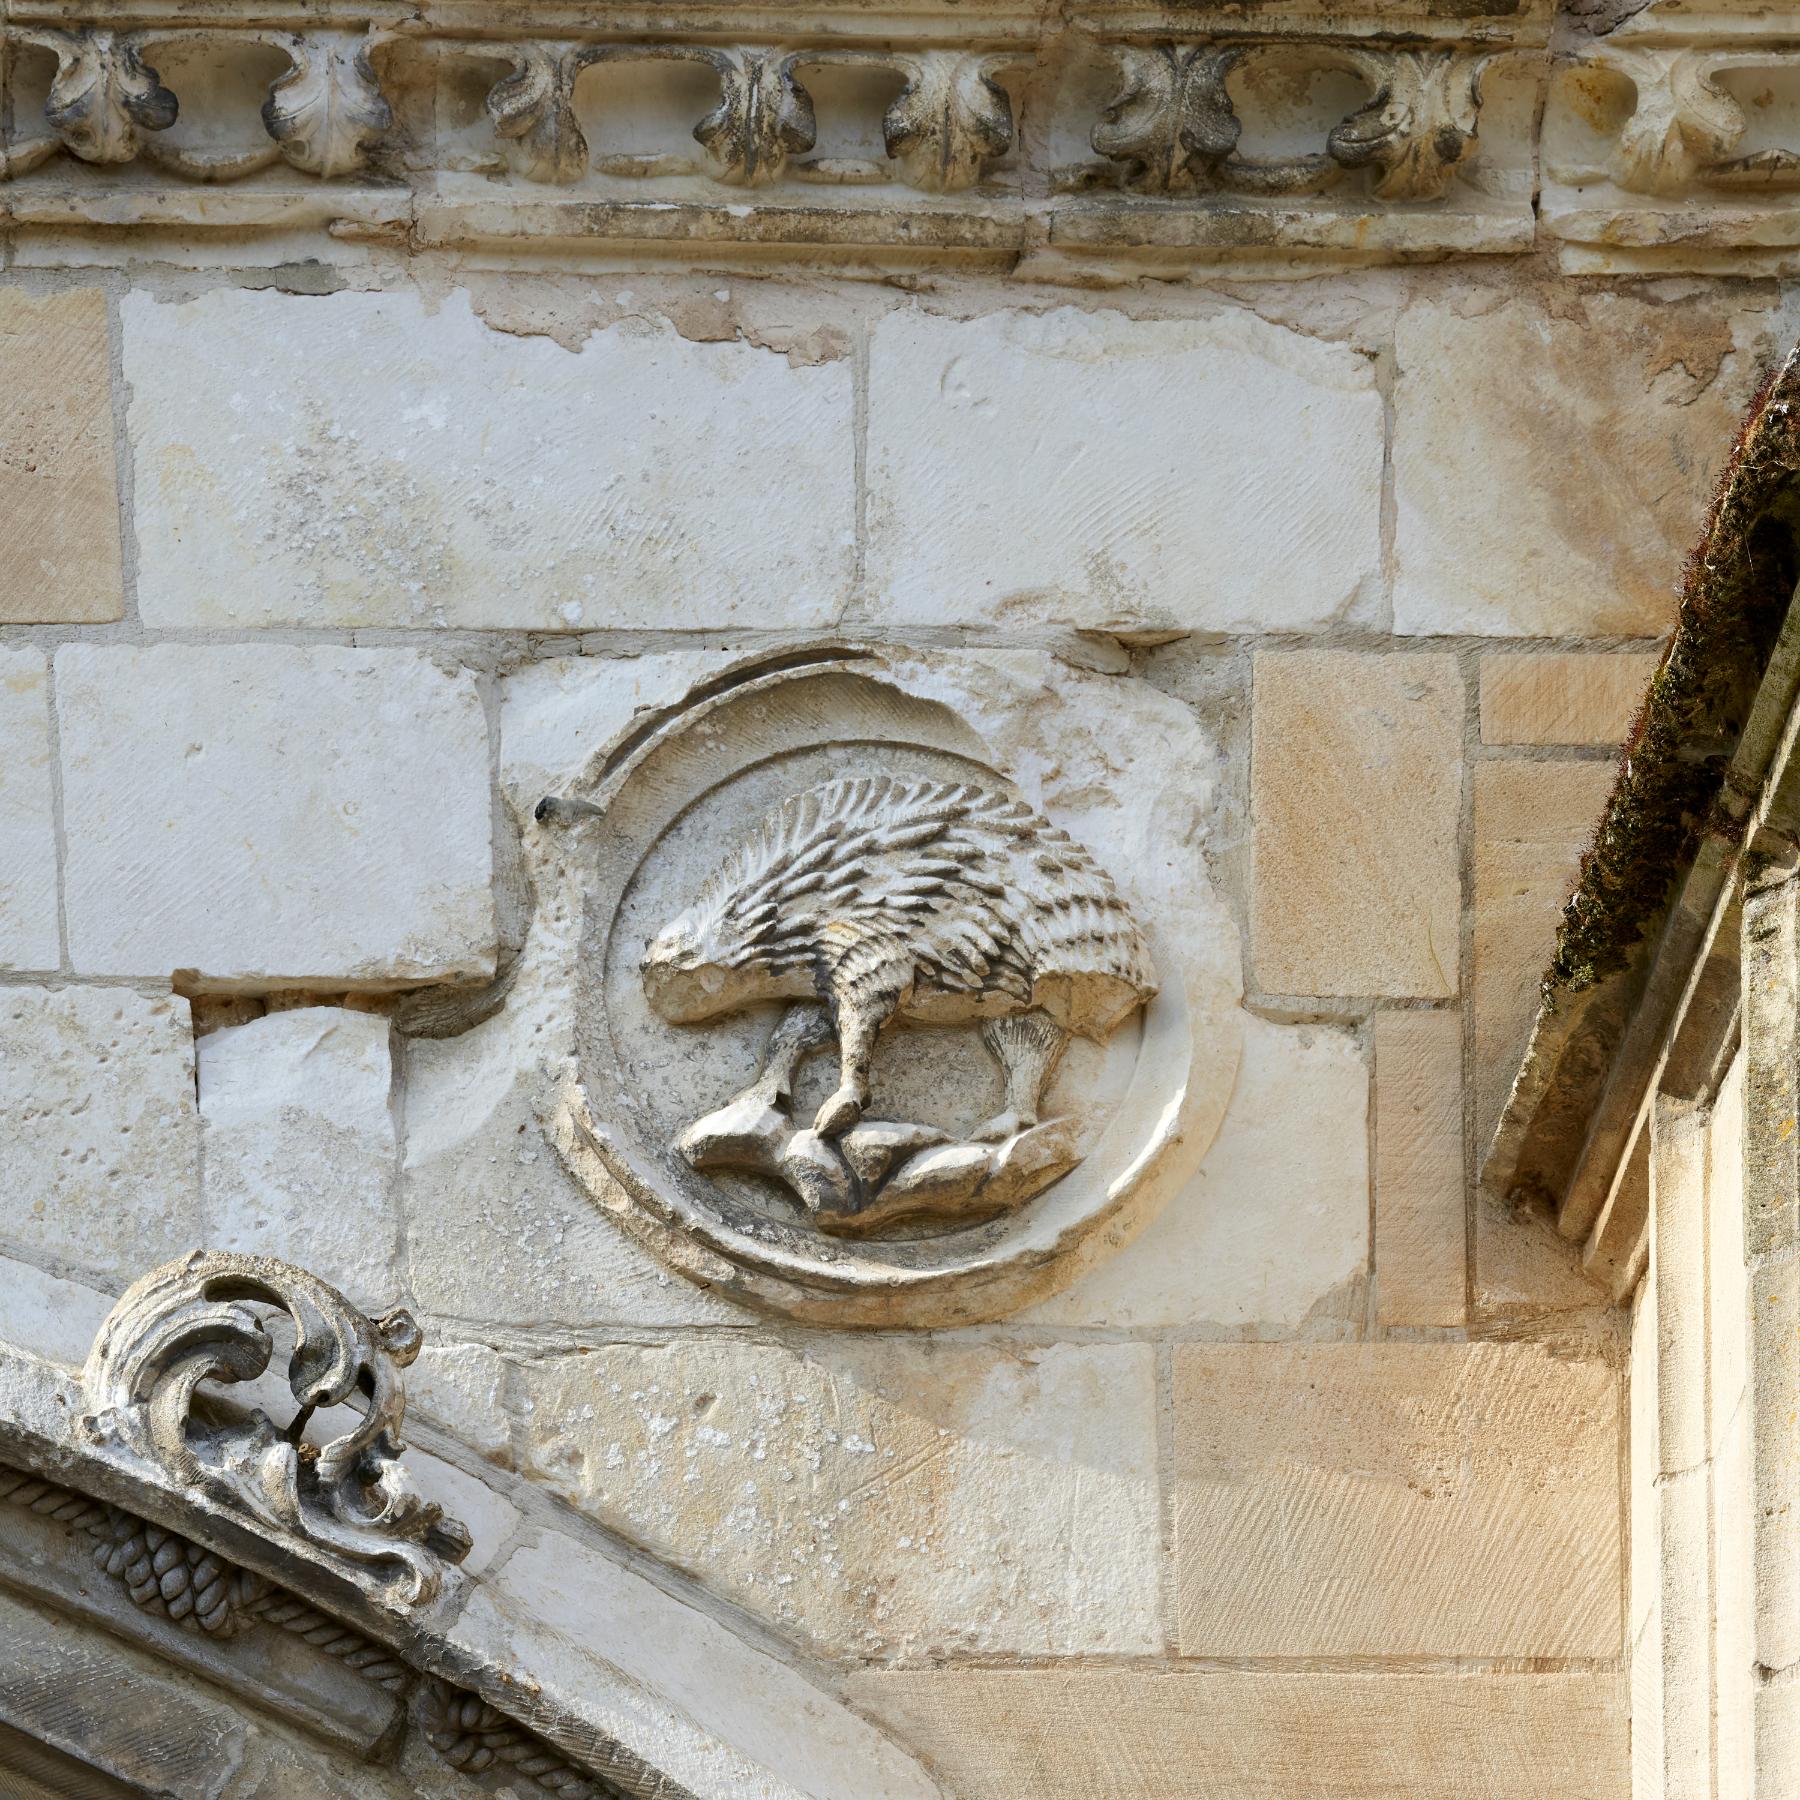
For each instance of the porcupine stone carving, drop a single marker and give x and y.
(934, 902)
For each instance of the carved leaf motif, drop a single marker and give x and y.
(1683, 122)
(949, 121)
(533, 110)
(192, 1321)
(764, 116)
(1172, 124)
(1420, 124)
(326, 108)
(103, 95)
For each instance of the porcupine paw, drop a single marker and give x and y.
(838, 1113)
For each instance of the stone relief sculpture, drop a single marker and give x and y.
(877, 900)
(195, 1320)
(857, 1029)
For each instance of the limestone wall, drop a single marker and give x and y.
(1324, 602)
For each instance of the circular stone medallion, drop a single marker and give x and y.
(862, 1035)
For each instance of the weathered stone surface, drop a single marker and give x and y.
(1272, 1235)
(46, 1315)
(333, 803)
(1354, 799)
(98, 1125)
(1396, 1499)
(301, 1158)
(1421, 1222)
(671, 1665)
(1562, 699)
(1028, 469)
(1532, 821)
(1072, 1734)
(59, 494)
(29, 938)
(850, 1495)
(364, 459)
(1551, 465)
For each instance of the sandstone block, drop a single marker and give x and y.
(1421, 1223)
(1029, 469)
(29, 938)
(874, 1497)
(1272, 1235)
(98, 1120)
(1555, 699)
(301, 1155)
(1396, 1499)
(364, 459)
(275, 816)
(1355, 787)
(1532, 822)
(1074, 1733)
(59, 493)
(1551, 468)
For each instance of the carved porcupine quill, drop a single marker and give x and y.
(937, 902)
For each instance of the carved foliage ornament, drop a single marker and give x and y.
(1174, 128)
(197, 1320)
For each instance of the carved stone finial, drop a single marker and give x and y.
(325, 109)
(764, 116)
(949, 121)
(533, 110)
(193, 1321)
(1171, 124)
(1419, 125)
(104, 96)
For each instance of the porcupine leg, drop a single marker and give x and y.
(1027, 1046)
(859, 1023)
(802, 1030)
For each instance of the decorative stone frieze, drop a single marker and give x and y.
(193, 1321)
(1673, 140)
(377, 116)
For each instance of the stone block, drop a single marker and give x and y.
(715, 1713)
(301, 1156)
(369, 459)
(1355, 770)
(29, 938)
(874, 1497)
(99, 1126)
(1272, 1235)
(1532, 822)
(1421, 1221)
(272, 816)
(48, 1316)
(1229, 1734)
(1562, 699)
(1396, 1499)
(1552, 465)
(1028, 469)
(59, 490)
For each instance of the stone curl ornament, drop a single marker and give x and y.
(200, 1319)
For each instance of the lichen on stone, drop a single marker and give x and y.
(1738, 586)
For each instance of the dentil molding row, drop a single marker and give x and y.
(983, 133)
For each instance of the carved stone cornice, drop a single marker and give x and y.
(451, 127)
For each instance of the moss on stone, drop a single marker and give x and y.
(1737, 590)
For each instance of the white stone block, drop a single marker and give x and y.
(301, 1151)
(371, 459)
(48, 1316)
(272, 816)
(99, 1139)
(1221, 474)
(1273, 1233)
(875, 1497)
(28, 932)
